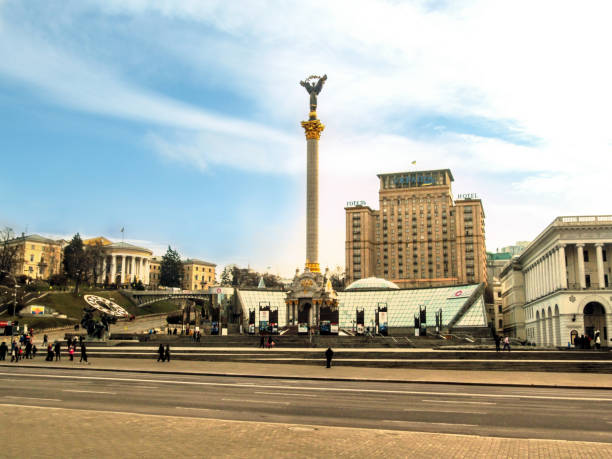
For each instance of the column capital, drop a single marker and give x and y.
(599, 244)
(580, 244)
(561, 246)
(313, 129)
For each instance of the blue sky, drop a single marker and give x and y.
(179, 119)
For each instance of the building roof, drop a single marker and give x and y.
(419, 172)
(100, 239)
(33, 238)
(126, 245)
(195, 261)
(372, 283)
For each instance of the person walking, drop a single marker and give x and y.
(71, 352)
(28, 349)
(34, 350)
(14, 354)
(497, 342)
(597, 341)
(167, 353)
(58, 351)
(328, 356)
(270, 342)
(84, 353)
(160, 353)
(507, 343)
(3, 350)
(262, 342)
(45, 340)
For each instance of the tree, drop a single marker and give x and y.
(171, 269)
(8, 253)
(77, 263)
(226, 276)
(338, 278)
(96, 260)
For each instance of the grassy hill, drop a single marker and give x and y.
(72, 306)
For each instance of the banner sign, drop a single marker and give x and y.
(303, 328)
(334, 328)
(37, 310)
(461, 293)
(264, 316)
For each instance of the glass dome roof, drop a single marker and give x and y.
(375, 283)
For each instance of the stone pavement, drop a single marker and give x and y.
(514, 378)
(70, 433)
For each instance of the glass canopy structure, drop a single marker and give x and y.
(462, 306)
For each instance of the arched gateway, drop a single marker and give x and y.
(594, 319)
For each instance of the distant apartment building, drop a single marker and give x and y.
(154, 272)
(37, 257)
(420, 237)
(198, 274)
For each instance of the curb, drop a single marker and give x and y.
(309, 378)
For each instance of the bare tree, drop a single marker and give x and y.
(8, 252)
(95, 253)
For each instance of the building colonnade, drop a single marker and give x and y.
(549, 273)
(128, 267)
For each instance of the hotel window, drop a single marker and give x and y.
(586, 255)
(587, 280)
(31, 257)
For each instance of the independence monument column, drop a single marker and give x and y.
(312, 128)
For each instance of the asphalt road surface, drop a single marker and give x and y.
(576, 414)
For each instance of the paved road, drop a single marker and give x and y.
(563, 414)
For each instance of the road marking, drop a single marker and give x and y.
(89, 391)
(459, 401)
(321, 389)
(433, 423)
(253, 401)
(34, 398)
(290, 395)
(195, 408)
(416, 410)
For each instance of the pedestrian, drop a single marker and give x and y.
(174, 332)
(167, 353)
(19, 353)
(14, 354)
(270, 342)
(45, 340)
(71, 352)
(160, 353)
(262, 342)
(58, 351)
(328, 356)
(497, 342)
(3, 350)
(49, 353)
(597, 341)
(507, 343)
(84, 353)
(34, 350)
(28, 349)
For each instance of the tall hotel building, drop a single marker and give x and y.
(420, 237)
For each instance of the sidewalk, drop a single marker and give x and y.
(341, 373)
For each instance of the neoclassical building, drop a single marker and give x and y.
(123, 262)
(559, 286)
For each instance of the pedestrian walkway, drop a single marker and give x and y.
(262, 370)
(142, 435)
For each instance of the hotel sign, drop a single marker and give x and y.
(467, 196)
(414, 180)
(355, 203)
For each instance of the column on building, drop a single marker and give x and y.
(122, 273)
(102, 276)
(133, 268)
(147, 270)
(562, 267)
(580, 255)
(142, 269)
(527, 285)
(545, 273)
(549, 271)
(538, 278)
(555, 269)
(600, 265)
(113, 272)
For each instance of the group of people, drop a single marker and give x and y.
(586, 342)
(498, 341)
(23, 348)
(163, 354)
(266, 343)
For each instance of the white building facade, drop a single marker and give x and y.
(564, 275)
